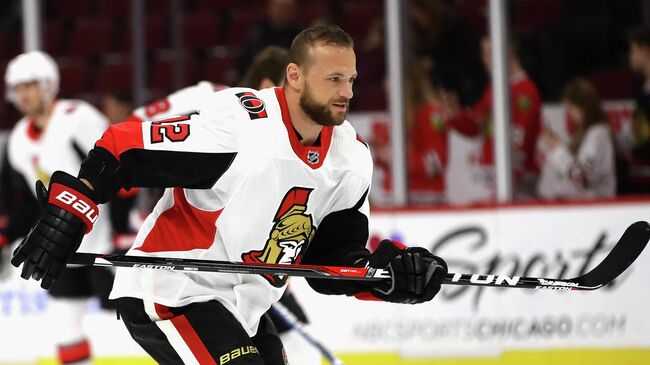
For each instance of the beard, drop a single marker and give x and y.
(321, 113)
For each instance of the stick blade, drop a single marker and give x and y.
(627, 249)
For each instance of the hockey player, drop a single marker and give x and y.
(267, 70)
(53, 135)
(276, 175)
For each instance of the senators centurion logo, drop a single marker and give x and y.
(292, 231)
(253, 105)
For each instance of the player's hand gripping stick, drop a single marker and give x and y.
(68, 211)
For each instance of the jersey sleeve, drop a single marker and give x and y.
(188, 151)
(340, 240)
(90, 127)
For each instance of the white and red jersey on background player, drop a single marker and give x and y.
(244, 189)
(181, 102)
(71, 132)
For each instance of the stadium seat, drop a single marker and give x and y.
(158, 8)
(156, 32)
(358, 16)
(162, 74)
(212, 6)
(91, 36)
(311, 11)
(115, 75)
(74, 76)
(14, 45)
(53, 37)
(533, 15)
(3, 45)
(217, 69)
(70, 9)
(200, 30)
(114, 8)
(239, 29)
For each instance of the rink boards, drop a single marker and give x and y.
(462, 325)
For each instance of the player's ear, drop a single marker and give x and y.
(294, 76)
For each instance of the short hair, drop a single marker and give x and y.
(270, 63)
(639, 36)
(326, 35)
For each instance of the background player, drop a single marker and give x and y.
(256, 176)
(54, 134)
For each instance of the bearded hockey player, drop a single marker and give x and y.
(55, 135)
(276, 175)
(267, 70)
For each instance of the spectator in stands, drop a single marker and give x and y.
(429, 108)
(638, 178)
(278, 29)
(583, 167)
(525, 104)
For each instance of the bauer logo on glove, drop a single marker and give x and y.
(86, 211)
(68, 211)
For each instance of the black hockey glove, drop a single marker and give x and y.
(68, 211)
(416, 274)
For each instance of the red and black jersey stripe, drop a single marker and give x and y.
(119, 160)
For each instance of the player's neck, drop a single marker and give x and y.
(306, 127)
(43, 117)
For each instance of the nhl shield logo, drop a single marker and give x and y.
(313, 157)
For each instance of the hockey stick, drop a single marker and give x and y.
(628, 248)
(193, 265)
(293, 323)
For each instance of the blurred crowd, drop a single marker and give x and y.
(595, 152)
(576, 54)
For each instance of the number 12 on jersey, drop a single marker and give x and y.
(161, 129)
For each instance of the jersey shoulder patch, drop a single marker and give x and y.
(253, 105)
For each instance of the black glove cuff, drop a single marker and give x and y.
(102, 170)
(63, 178)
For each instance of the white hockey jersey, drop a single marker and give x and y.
(589, 174)
(252, 192)
(71, 132)
(181, 102)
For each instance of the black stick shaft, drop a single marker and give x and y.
(195, 265)
(626, 251)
